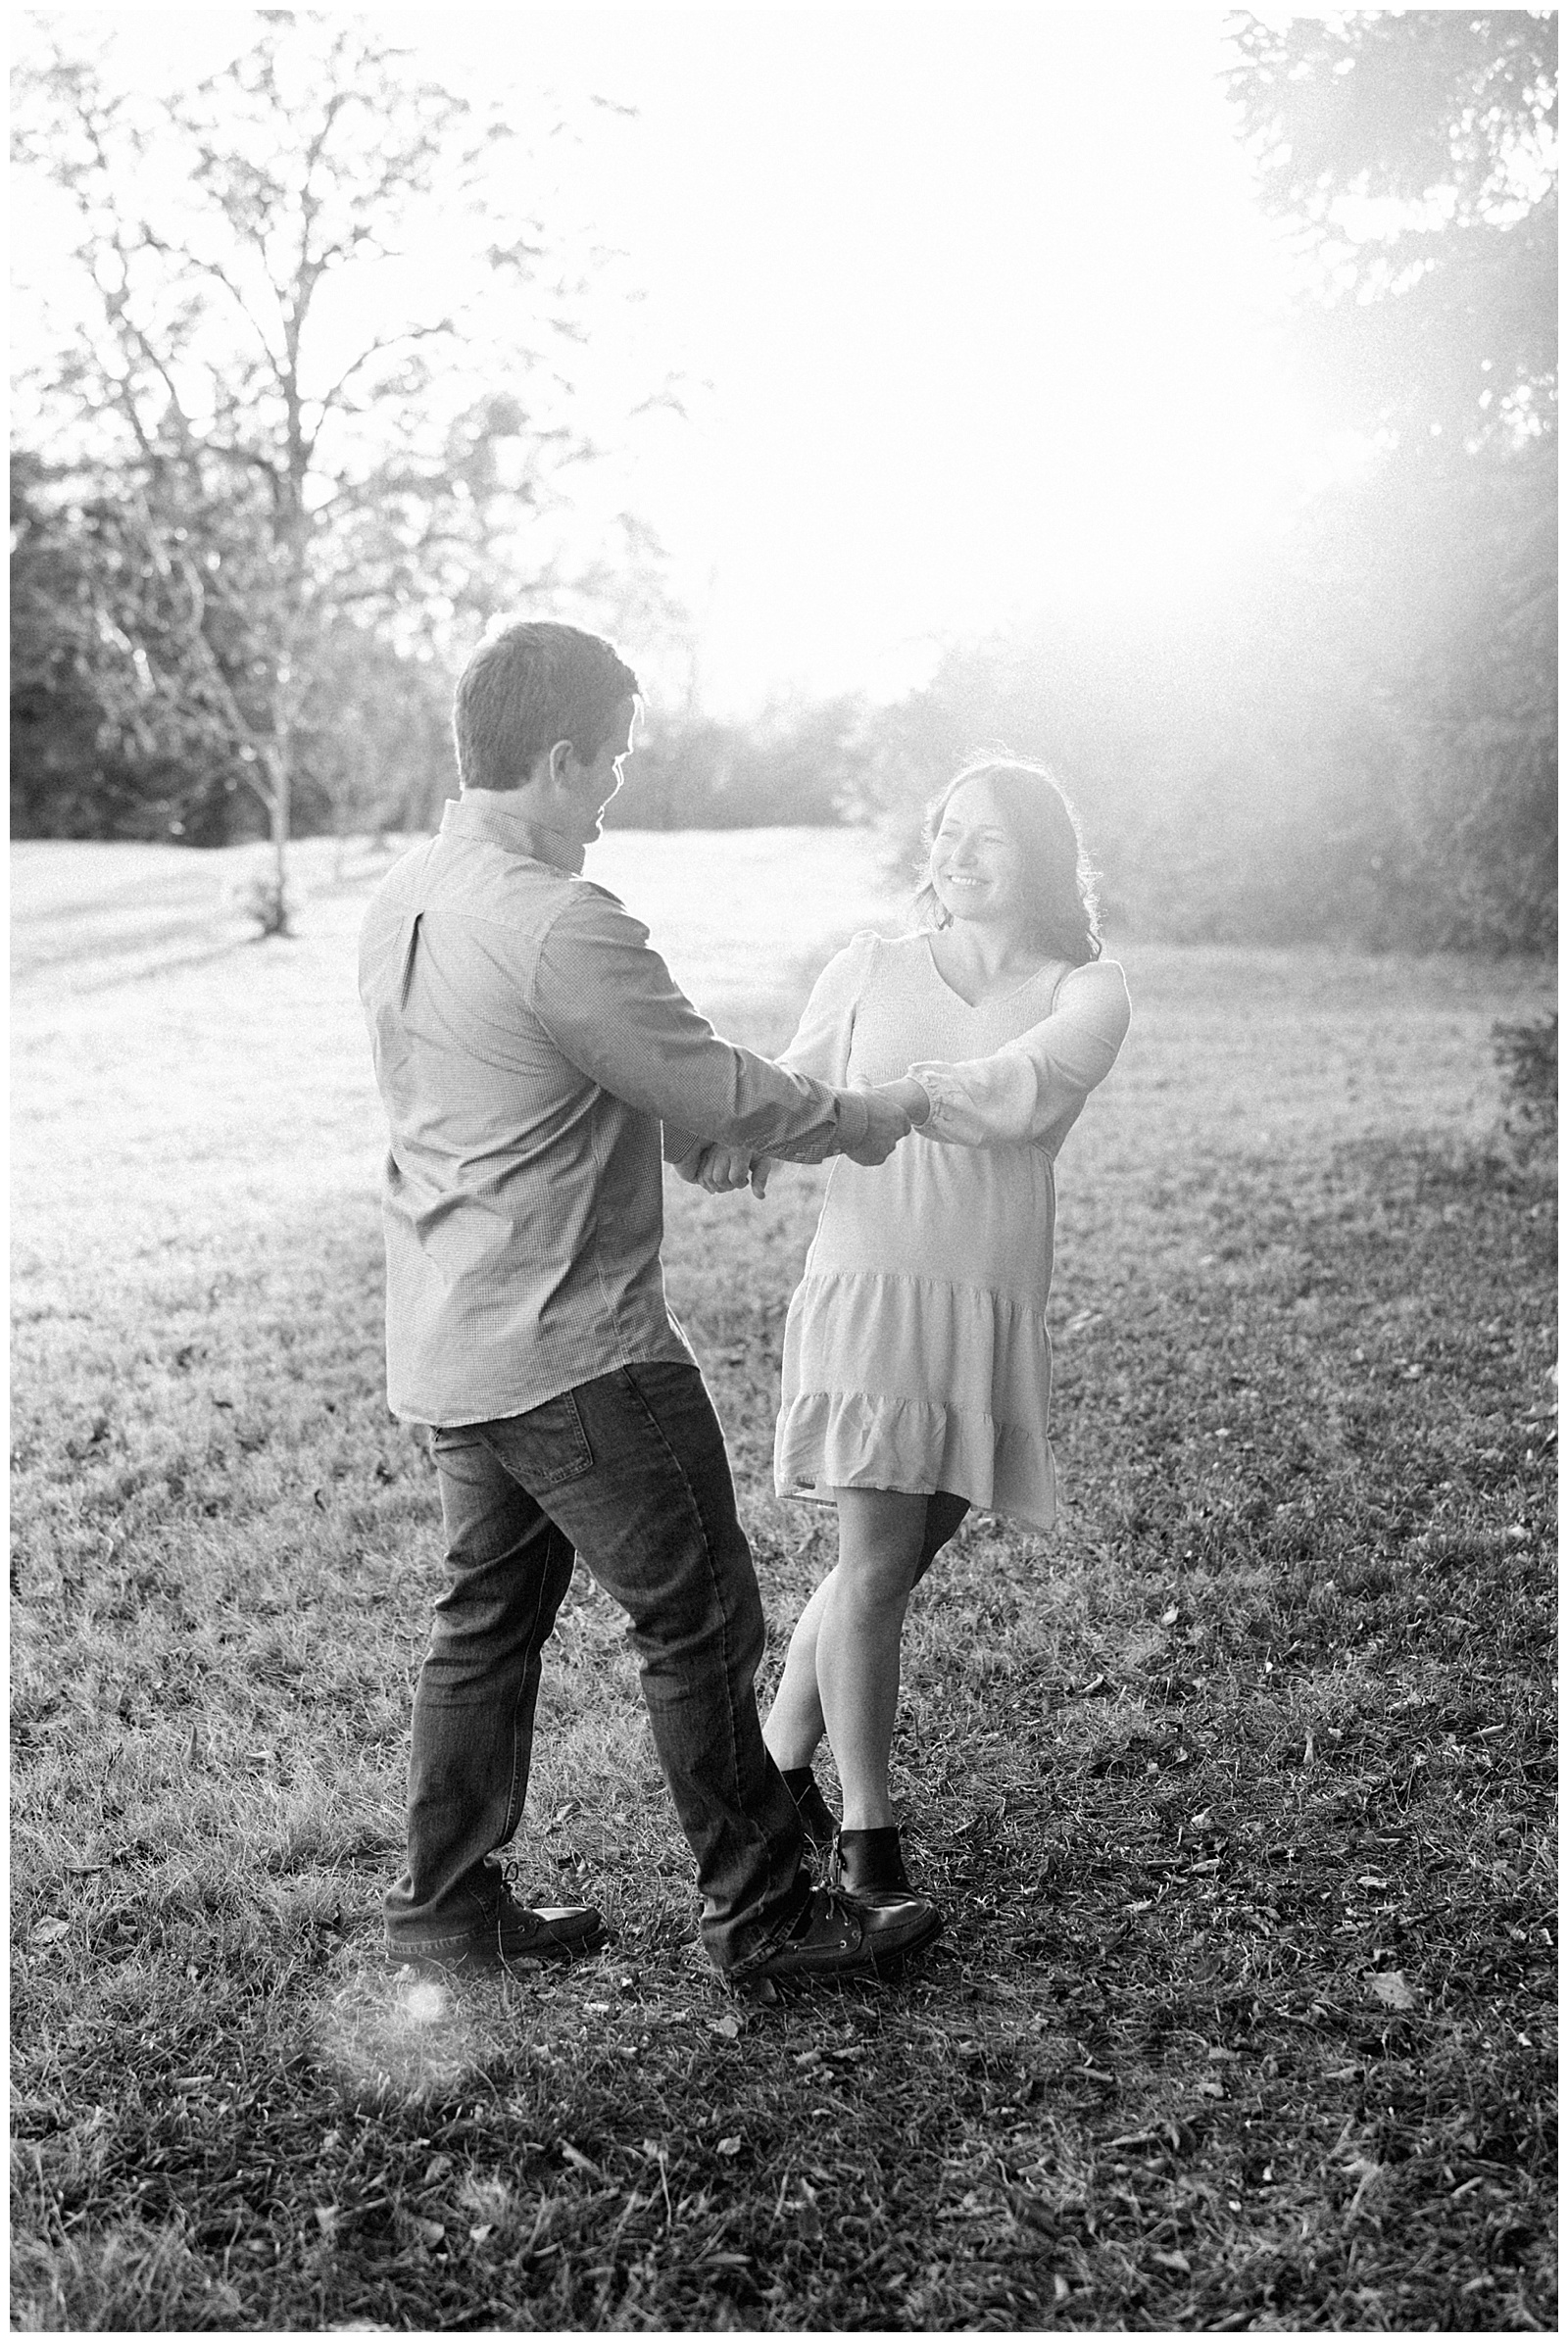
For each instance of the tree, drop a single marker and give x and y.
(1413, 151)
(292, 424)
(109, 736)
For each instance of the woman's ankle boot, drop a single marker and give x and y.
(868, 1865)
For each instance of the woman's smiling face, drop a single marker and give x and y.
(978, 869)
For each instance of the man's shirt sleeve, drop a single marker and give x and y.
(612, 1009)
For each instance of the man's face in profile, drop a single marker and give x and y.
(590, 787)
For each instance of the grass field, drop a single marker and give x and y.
(1236, 1788)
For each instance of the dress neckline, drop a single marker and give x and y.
(993, 1000)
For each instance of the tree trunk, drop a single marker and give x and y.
(280, 793)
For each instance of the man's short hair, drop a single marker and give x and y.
(531, 683)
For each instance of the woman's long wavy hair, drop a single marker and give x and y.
(1067, 916)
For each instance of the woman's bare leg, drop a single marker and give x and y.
(795, 1722)
(795, 1725)
(881, 1532)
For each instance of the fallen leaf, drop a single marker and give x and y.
(729, 2026)
(484, 2229)
(581, 2161)
(428, 2231)
(1392, 1989)
(1173, 2261)
(731, 2146)
(50, 1930)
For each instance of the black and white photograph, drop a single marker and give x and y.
(783, 1170)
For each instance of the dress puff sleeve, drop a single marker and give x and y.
(821, 1043)
(1031, 1090)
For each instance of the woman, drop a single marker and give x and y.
(916, 1364)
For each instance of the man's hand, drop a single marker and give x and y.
(887, 1124)
(721, 1169)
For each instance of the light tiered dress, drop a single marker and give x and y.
(916, 1353)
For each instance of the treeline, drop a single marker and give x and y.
(1358, 738)
(1358, 743)
(110, 739)
(117, 730)
(128, 720)
(222, 629)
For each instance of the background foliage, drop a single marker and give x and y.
(1360, 740)
(241, 586)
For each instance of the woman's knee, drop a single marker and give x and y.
(871, 1583)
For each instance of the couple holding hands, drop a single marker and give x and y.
(536, 1061)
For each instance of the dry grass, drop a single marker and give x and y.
(1237, 1787)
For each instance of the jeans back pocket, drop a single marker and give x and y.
(545, 1447)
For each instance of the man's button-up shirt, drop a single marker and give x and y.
(528, 1043)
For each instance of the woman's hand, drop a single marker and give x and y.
(909, 1096)
(725, 1168)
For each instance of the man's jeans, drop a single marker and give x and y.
(630, 1471)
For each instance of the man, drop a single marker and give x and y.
(529, 1045)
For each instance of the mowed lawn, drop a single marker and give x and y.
(1236, 1788)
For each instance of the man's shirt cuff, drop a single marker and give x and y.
(851, 1119)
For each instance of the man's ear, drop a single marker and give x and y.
(558, 759)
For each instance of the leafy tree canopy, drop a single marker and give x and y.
(1414, 150)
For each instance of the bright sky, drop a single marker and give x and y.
(981, 303)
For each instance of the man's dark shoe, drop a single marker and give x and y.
(836, 1936)
(558, 1931)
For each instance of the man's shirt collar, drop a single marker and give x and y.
(484, 814)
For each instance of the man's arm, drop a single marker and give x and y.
(612, 1007)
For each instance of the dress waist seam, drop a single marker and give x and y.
(1009, 1297)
